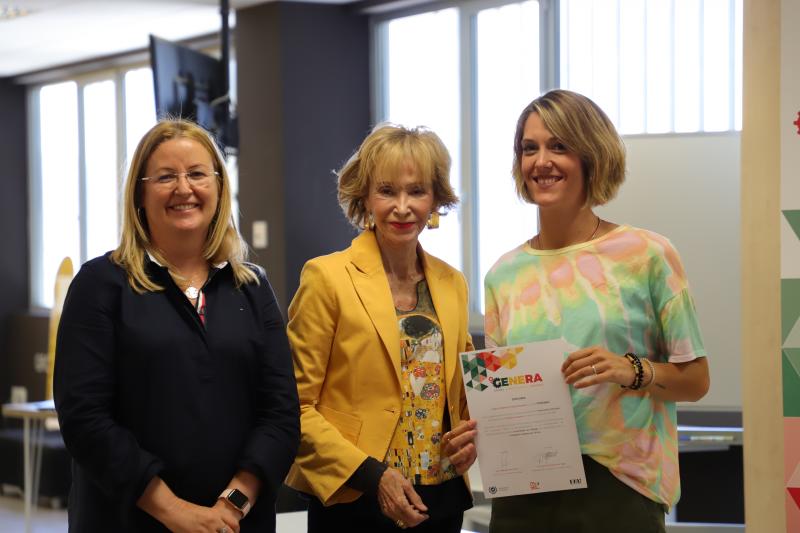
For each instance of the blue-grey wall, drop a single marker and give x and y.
(304, 107)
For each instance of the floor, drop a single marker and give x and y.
(45, 520)
(12, 519)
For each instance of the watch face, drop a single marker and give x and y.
(237, 498)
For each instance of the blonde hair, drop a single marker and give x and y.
(386, 151)
(223, 242)
(585, 130)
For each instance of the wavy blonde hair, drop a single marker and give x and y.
(384, 154)
(223, 242)
(585, 130)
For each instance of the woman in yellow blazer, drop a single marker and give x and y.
(376, 330)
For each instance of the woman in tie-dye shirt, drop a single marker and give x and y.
(609, 290)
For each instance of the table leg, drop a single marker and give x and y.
(37, 447)
(28, 474)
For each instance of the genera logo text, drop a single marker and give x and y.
(521, 379)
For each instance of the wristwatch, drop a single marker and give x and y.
(238, 499)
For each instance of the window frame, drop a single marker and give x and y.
(550, 29)
(38, 285)
(112, 67)
(468, 180)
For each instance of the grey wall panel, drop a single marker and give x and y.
(326, 77)
(303, 81)
(14, 280)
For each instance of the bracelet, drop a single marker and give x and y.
(638, 371)
(652, 373)
(637, 382)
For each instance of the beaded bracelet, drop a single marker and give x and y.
(638, 371)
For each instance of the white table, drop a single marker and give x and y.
(33, 416)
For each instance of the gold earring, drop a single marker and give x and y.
(370, 221)
(433, 220)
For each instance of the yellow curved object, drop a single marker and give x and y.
(63, 279)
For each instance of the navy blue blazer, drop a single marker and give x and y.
(143, 388)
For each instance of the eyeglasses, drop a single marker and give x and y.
(196, 178)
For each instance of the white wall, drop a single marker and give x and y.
(687, 187)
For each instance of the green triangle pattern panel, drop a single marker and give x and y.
(793, 355)
(793, 217)
(790, 306)
(793, 339)
(791, 382)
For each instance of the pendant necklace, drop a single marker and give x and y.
(536, 242)
(191, 292)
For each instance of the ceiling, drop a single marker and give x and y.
(59, 32)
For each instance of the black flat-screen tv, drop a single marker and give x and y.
(193, 85)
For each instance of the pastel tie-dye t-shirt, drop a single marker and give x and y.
(626, 291)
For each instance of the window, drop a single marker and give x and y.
(100, 168)
(430, 82)
(656, 66)
(466, 69)
(82, 132)
(59, 198)
(507, 78)
(421, 87)
(139, 95)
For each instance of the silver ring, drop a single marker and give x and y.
(594, 370)
(222, 530)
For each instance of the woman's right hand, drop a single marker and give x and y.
(399, 501)
(181, 516)
(186, 517)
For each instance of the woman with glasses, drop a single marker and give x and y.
(375, 332)
(173, 379)
(619, 294)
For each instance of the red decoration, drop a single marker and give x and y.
(797, 122)
(795, 491)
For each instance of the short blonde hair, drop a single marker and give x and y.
(223, 242)
(383, 154)
(585, 130)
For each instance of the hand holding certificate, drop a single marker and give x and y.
(527, 440)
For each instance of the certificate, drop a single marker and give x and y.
(527, 441)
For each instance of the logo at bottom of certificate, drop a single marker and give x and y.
(534, 485)
(492, 490)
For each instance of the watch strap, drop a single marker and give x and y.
(232, 496)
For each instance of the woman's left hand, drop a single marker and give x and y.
(459, 445)
(594, 365)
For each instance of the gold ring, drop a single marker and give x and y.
(400, 524)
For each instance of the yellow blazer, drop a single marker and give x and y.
(346, 347)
